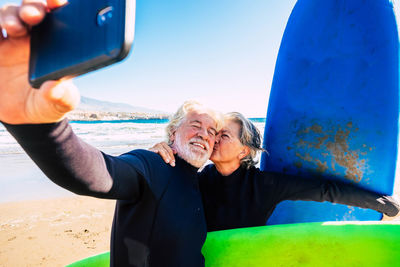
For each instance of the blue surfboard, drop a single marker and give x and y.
(334, 104)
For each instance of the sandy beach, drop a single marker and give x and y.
(54, 232)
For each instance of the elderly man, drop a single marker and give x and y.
(159, 218)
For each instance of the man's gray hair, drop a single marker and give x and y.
(189, 106)
(249, 136)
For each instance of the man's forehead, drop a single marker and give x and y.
(201, 117)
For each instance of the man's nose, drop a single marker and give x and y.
(203, 133)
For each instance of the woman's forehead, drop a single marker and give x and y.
(230, 127)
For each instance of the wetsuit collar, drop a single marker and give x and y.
(185, 165)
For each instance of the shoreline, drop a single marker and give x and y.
(95, 115)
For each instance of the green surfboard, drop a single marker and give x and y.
(305, 244)
(101, 260)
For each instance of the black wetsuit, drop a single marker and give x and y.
(159, 218)
(248, 197)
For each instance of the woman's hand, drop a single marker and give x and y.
(393, 205)
(165, 152)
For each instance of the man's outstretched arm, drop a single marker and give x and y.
(76, 165)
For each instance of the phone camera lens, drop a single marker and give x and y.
(104, 15)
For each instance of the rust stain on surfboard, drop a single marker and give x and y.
(346, 158)
(335, 143)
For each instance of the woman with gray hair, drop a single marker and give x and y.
(237, 194)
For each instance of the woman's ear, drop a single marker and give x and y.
(245, 151)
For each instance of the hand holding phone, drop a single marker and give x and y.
(19, 103)
(81, 36)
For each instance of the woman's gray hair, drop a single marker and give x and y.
(249, 136)
(189, 106)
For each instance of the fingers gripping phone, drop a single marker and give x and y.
(82, 36)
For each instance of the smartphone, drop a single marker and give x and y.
(82, 36)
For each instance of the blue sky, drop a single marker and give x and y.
(220, 52)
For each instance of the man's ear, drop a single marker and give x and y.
(172, 138)
(245, 151)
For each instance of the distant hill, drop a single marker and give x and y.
(91, 109)
(91, 104)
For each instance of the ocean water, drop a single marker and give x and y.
(21, 179)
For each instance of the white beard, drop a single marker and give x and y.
(190, 154)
